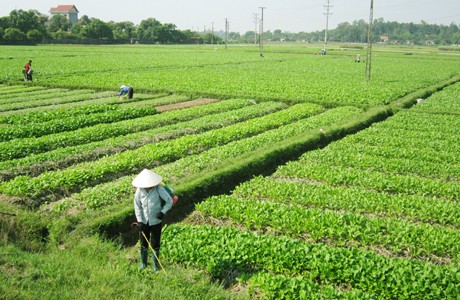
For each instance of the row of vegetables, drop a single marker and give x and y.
(64, 124)
(447, 101)
(57, 114)
(68, 100)
(289, 217)
(368, 217)
(120, 190)
(102, 140)
(87, 173)
(27, 146)
(353, 199)
(292, 268)
(11, 90)
(375, 180)
(31, 94)
(24, 101)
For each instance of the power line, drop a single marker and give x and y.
(406, 4)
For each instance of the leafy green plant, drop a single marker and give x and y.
(218, 248)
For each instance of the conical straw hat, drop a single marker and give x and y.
(146, 179)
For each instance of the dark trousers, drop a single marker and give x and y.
(153, 233)
(130, 93)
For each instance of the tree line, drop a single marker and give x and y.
(383, 31)
(32, 26)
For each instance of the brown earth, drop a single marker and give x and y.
(186, 104)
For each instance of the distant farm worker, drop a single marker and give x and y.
(28, 71)
(358, 58)
(125, 89)
(150, 212)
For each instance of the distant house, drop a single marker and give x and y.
(384, 38)
(69, 11)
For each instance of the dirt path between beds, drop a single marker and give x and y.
(186, 104)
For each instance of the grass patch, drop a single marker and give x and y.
(92, 268)
(26, 229)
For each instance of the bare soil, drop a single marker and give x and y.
(186, 104)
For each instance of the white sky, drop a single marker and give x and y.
(287, 15)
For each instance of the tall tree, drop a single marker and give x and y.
(27, 20)
(168, 34)
(58, 22)
(35, 35)
(123, 30)
(149, 30)
(14, 34)
(84, 20)
(4, 22)
(97, 29)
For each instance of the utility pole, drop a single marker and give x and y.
(204, 35)
(369, 42)
(226, 32)
(261, 33)
(212, 33)
(255, 28)
(327, 13)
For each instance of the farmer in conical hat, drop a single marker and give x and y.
(150, 213)
(126, 89)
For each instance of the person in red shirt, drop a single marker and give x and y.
(28, 71)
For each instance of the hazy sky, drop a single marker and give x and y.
(287, 15)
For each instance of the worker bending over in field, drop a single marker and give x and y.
(125, 89)
(149, 213)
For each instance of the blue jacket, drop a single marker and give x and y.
(124, 90)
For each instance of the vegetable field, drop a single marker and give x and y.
(284, 74)
(365, 217)
(297, 179)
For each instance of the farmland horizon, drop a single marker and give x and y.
(295, 17)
